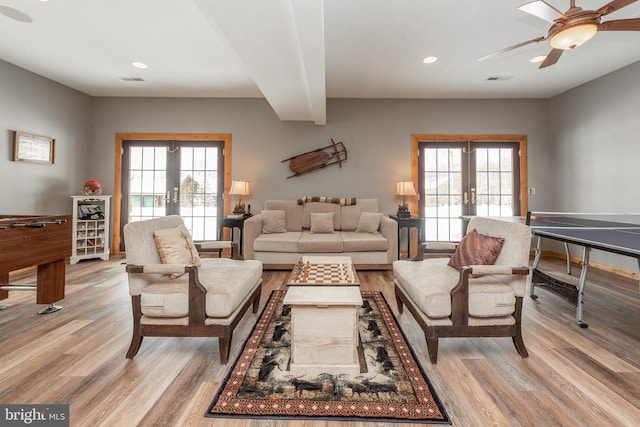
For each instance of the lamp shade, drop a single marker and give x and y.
(240, 188)
(405, 188)
(573, 36)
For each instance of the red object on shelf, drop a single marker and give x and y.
(92, 188)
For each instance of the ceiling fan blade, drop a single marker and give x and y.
(552, 58)
(621, 25)
(515, 46)
(543, 10)
(613, 6)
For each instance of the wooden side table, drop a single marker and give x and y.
(232, 223)
(409, 223)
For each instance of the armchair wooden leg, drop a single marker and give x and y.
(224, 343)
(399, 302)
(136, 338)
(519, 343)
(256, 303)
(432, 347)
(517, 338)
(136, 342)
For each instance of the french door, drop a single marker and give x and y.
(466, 178)
(166, 177)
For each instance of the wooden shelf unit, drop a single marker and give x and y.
(90, 235)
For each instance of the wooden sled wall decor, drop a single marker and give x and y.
(333, 154)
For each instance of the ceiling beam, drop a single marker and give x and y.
(281, 44)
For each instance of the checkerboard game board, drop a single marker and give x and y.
(306, 272)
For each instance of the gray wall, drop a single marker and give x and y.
(35, 105)
(582, 144)
(376, 133)
(595, 129)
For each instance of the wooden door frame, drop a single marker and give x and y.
(117, 187)
(520, 139)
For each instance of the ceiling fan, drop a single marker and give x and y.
(573, 27)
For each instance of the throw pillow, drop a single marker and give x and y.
(369, 222)
(476, 249)
(175, 246)
(273, 221)
(321, 222)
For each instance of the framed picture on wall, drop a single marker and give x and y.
(33, 148)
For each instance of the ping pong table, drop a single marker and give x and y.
(610, 236)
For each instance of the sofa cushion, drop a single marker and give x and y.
(277, 242)
(476, 249)
(350, 215)
(175, 246)
(293, 212)
(227, 283)
(321, 222)
(369, 222)
(314, 243)
(273, 221)
(429, 283)
(319, 207)
(353, 241)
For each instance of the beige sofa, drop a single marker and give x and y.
(288, 229)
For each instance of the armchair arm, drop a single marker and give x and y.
(460, 293)
(157, 268)
(217, 245)
(498, 270)
(197, 292)
(442, 248)
(252, 228)
(389, 229)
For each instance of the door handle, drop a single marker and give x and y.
(176, 194)
(465, 198)
(473, 196)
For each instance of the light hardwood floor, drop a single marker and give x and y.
(573, 376)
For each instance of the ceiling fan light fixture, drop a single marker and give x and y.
(573, 36)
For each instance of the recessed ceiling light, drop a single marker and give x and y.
(430, 59)
(538, 58)
(139, 64)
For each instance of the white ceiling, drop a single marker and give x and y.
(298, 53)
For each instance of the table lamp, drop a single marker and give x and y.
(404, 189)
(240, 188)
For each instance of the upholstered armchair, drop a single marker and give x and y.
(477, 292)
(175, 293)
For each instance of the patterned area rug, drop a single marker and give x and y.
(391, 385)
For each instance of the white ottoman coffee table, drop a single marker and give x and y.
(324, 324)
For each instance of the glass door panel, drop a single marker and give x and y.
(201, 187)
(147, 182)
(183, 178)
(442, 192)
(495, 182)
(466, 178)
